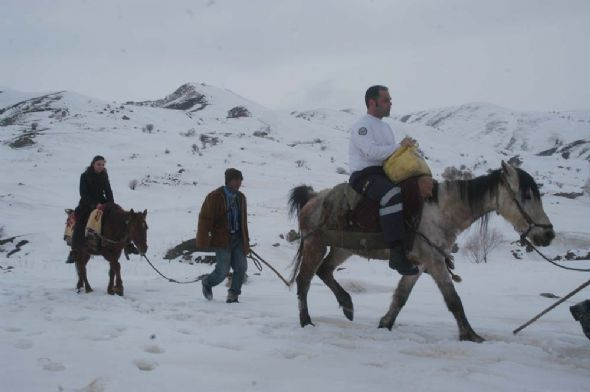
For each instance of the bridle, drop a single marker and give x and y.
(532, 224)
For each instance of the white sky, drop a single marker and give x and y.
(526, 54)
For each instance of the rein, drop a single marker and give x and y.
(532, 224)
(103, 238)
(524, 241)
(525, 215)
(449, 259)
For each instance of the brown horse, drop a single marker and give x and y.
(118, 228)
(454, 206)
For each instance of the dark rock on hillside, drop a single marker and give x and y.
(186, 97)
(238, 111)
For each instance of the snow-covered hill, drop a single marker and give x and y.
(513, 131)
(167, 154)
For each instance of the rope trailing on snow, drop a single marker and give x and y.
(255, 257)
(550, 308)
(170, 279)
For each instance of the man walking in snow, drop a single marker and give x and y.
(371, 143)
(223, 227)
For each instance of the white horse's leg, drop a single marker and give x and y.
(443, 280)
(312, 256)
(336, 257)
(400, 296)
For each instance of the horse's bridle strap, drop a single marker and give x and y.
(525, 215)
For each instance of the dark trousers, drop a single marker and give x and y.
(82, 215)
(374, 184)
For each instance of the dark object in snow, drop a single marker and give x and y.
(185, 250)
(581, 312)
(17, 248)
(549, 295)
(238, 111)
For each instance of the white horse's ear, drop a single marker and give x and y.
(510, 174)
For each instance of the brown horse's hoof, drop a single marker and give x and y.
(119, 291)
(89, 289)
(110, 291)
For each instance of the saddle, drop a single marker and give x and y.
(353, 219)
(93, 228)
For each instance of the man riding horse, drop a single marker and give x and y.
(371, 142)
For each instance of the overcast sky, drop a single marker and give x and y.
(296, 54)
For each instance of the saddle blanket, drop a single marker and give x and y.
(94, 224)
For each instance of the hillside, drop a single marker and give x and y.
(165, 154)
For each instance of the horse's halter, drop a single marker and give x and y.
(532, 224)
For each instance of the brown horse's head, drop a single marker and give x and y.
(138, 227)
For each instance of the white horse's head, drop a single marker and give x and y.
(519, 202)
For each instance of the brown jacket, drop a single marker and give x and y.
(213, 227)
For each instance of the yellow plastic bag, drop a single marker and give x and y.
(404, 163)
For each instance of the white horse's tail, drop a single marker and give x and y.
(298, 198)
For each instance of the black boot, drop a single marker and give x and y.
(398, 261)
(70, 258)
(207, 290)
(232, 297)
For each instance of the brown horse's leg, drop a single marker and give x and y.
(443, 280)
(110, 287)
(115, 282)
(81, 261)
(400, 296)
(313, 253)
(336, 257)
(118, 280)
(79, 270)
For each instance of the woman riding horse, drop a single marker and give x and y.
(95, 189)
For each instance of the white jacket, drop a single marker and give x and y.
(371, 142)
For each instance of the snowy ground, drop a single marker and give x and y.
(163, 336)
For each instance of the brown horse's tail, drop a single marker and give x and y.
(298, 198)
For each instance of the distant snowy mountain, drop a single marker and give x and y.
(535, 132)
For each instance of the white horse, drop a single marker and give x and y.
(454, 206)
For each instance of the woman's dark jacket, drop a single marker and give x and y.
(95, 188)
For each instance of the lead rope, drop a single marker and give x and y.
(170, 279)
(255, 257)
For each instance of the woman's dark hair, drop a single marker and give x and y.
(373, 93)
(96, 158)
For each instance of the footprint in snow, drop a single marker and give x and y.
(23, 344)
(145, 365)
(153, 349)
(48, 364)
(97, 385)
